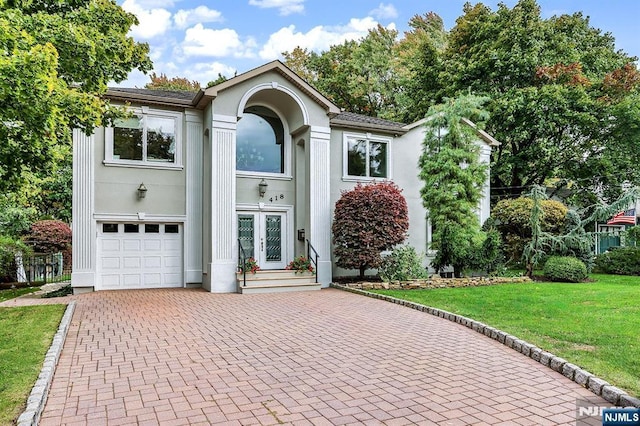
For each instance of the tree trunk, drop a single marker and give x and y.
(362, 269)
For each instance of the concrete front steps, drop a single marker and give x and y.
(276, 281)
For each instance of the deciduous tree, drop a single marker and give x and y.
(58, 59)
(368, 220)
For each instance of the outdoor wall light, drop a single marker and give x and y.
(142, 191)
(262, 187)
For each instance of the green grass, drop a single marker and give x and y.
(12, 294)
(26, 335)
(594, 325)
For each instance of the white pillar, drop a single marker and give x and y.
(319, 200)
(193, 224)
(223, 263)
(83, 226)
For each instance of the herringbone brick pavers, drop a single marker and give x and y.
(309, 358)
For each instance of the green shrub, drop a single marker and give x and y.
(512, 217)
(621, 261)
(8, 250)
(403, 264)
(565, 269)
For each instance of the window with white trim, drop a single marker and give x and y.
(366, 157)
(148, 138)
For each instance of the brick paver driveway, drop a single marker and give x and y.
(324, 357)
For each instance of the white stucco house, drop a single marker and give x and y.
(164, 198)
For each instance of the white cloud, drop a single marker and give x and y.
(385, 11)
(200, 41)
(153, 22)
(204, 72)
(286, 7)
(201, 14)
(318, 39)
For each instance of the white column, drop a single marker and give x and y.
(193, 224)
(319, 200)
(222, 269)
(83, 225)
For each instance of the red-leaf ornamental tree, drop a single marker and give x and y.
(50, 236)
(368, 220)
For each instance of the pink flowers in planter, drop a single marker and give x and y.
(300, 264)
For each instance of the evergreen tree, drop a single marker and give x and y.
(453, 179)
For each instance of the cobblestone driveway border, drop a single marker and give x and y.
(38, 396)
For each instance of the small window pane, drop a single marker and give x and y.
(127, 139)
(357, 158)
(171, 229)
(161, 139)
(109, 228)
(151, 228)
(131, 228)
(378, 159)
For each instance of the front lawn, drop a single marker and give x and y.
(26, 334)
(593, 325)
(12, 294)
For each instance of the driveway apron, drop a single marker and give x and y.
(180, 356)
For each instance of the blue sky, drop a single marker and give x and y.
(198, 39)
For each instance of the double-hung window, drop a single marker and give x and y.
(147, 138)
(366, 156)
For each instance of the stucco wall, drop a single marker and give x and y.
(405, 153)
(116, 186)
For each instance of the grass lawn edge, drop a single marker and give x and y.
(582, 377)
(38, 395)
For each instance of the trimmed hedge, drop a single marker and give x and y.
(621, 261)
(565, 269)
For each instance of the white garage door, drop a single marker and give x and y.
(139, 255)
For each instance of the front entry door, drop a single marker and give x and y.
(263, 236)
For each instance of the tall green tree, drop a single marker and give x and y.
(551, 106)
(356, 75)
(453, 177)
(417, 64)
(59, 58)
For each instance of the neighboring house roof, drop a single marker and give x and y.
(280, 68)
(364, 122)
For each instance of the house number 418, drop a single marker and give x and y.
(276, 198)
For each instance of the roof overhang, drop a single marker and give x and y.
(486, 137)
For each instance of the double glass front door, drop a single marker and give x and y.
(262, 235)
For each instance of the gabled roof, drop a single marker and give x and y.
(364, 122)
(486, 137)
(277, 66)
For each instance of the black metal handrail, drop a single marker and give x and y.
(314, 259)
(242, 258)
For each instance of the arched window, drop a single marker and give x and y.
(260, 141)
